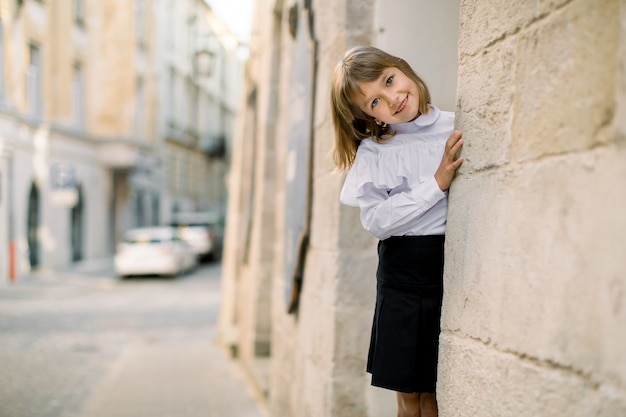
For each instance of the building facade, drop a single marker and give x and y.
(106, 123)
(199, 75)
(53, 206)
(534, 293)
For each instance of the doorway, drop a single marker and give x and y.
(77, 227)
(32, 229)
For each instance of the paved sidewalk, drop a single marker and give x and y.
(143, 383)
(132, 348)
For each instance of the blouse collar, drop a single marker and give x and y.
(419, 123)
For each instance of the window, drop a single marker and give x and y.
(191, 105)
(170, 171)
(195, 113)
(139, 108)
(140, 218)
(34, 82)
(78, 97)
(140, 22)
(79, 12)
(171, 97)
(156, 207)
(183, 174)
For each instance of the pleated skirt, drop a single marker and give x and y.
(404, 344)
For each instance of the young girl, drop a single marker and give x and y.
(401, 155)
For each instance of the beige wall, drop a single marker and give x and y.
(534, 316)
(533, 308)
(425, 34)
(113, 68)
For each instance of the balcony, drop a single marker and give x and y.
(183, 136)
(121, 153)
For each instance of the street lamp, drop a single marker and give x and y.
(204, 62)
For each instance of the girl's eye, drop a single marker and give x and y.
(389, 81)
(375, 102)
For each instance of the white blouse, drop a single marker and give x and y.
(393, 183)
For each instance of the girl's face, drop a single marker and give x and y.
(393, 98)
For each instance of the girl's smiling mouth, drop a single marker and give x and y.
(402, 105)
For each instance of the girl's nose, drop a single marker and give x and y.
(390, 98)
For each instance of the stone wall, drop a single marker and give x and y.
(534, 308)
(534, 302)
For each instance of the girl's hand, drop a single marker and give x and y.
(449, 162)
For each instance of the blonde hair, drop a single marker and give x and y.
(351, 124)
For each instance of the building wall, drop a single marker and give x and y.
(36, 143)
(534, 292)
(317, 355)
(113, 69)
(250, 241)
(5, 171)
(98, 113)
(197, 108)
(534, 302)
(425, 34)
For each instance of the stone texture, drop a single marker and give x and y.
(482, 381)
(563, 102)
(352, 343)
(530, 272)
(534, 290)
(485, 106)
(482, 23)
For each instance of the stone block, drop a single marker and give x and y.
(538, 275)
(352, 337)
(545, 7)
(323, 131)
(565, 80)
(485, 98)
(348, 398)
(316, 397)
(315, 332)
(325, 209)
(476, 379)
(379, 400)
(320, 275)
(330, 15)
(351, 232)
(482, 23)
(356, 278)
(358, 18)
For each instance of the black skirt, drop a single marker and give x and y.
(405, 333)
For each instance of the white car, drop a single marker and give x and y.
(153, 251)
(202, 231)
(201, 240)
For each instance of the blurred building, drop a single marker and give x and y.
(198, 75)
(534, 307)
(113, 115)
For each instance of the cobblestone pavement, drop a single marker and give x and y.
(85, 344)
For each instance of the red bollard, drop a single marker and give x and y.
(12, 275)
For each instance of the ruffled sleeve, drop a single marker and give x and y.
(394, 186)
(389, 166)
